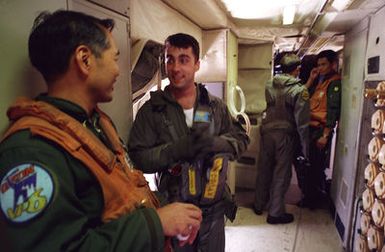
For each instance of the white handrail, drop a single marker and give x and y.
(241, 112)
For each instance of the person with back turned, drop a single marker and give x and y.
(66, 181)
(187, 136)
(285, 117)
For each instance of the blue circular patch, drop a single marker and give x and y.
(25, 191)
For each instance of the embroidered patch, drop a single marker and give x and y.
(305, 94)
(202, 116)
(336, 89)
(25, 191)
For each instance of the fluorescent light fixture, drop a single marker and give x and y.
(288, 14)
(258, 9)
(341, 5)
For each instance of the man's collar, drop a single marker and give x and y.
(68, 107)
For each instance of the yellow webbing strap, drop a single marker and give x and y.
(192, 181)
(212, 185)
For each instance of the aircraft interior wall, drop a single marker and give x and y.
(345, 161)
(368, 155)
(152, 19)
(18, 77)
(254, 70)
(362, 43)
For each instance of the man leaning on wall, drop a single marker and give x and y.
(325, 105)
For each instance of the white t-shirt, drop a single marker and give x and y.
(189, 113)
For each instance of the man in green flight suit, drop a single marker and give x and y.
(180, 133)
(66, 183)
(286, 117)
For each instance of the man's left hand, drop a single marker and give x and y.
(321, 142)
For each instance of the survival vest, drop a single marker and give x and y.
(124, 188)
(204, 185)
(201, 182)
(318, 102)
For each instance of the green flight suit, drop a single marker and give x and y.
(151, 134)
(286, 116)
(71, 219)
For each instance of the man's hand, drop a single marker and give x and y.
(180, 219)
(193, 146)
(313, 75)
(201, 143)
(321, 142)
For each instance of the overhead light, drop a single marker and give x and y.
(258, 9)
(341, 5)
(288, 14)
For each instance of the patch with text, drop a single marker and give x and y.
(25, 191)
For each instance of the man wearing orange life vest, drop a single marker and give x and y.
(66, 183)
(324, 86)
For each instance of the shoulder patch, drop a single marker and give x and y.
(25, 191)
(305, 94)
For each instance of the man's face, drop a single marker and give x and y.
(324, 66)
(181, 66)
(105, 73)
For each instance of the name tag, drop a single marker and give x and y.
(202, 116)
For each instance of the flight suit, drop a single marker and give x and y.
(69, 199)
(160, 122)
(325, 107)
(285, 117)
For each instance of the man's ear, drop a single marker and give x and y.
(197, 65)
(83, 58)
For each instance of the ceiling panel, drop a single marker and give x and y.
(313, 19)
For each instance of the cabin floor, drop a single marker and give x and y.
(312, 230)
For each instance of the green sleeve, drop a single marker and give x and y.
(302, 118)
(333, 103)
(71, 221)
(139, 231)
(147, 140)
(232, 131)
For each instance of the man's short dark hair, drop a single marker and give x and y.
(289, 62)
(182, 40)
(330, 55)
(54, 37)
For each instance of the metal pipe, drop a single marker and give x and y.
(308, 33)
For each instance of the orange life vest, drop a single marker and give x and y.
(124, 188)
(318, 102)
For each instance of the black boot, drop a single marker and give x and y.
(283, 219)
